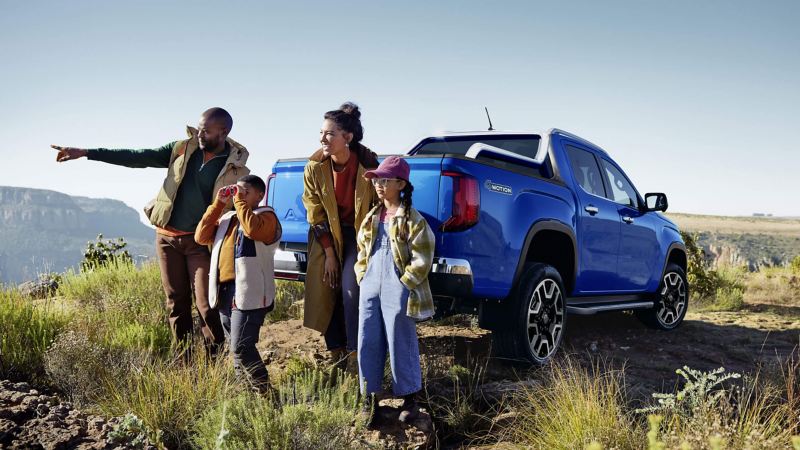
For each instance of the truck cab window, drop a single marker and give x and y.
(586, 171)
(622, 190)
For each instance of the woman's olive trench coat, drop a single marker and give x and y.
(319, 200)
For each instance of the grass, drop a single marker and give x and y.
(288, 295)
(28, 329)
(103, 342)
(310, 409)
(169, 397)
(575, 407)
(774, 286)
(123, 306)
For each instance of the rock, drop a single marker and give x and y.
(30, 419)
(44, 287)
(7, 428)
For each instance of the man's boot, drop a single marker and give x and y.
(410, 410)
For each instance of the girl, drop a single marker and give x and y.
(336, 197)
(395, 252)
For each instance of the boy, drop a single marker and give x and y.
(241, 280)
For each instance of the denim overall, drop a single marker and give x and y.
(383, 324)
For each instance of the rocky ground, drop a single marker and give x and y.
(30, 419)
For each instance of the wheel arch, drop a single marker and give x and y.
(554, 243)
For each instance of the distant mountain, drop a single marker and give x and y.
(47, 231)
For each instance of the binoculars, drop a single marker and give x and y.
(230, 190)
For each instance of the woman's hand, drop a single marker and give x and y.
(331, 274)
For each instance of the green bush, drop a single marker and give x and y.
(716, 290)
(101, 253)
(28, 329)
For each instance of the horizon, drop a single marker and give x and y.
(755, 215)
(699, 101)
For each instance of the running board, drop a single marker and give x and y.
(594, 309)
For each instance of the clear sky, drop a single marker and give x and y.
(700, 100)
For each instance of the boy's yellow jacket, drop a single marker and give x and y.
(413, 243)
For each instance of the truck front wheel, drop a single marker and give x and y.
(672, 301)
(538, 316)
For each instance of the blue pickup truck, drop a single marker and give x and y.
(530, 228)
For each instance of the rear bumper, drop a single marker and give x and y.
(290, 265)
(449, 277)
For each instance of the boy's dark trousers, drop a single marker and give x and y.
(184, 269)
(241, 329)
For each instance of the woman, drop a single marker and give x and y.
(337, 197)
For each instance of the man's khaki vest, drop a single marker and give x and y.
(159, 209)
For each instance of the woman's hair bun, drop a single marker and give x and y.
(351, 109)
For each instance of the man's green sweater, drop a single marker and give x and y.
(195, 192)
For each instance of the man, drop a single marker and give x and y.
(196, 169)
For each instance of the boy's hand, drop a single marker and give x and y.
(68, 153)
(224, 194)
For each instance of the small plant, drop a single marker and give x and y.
(130, 432)
(101, 253)
(700, 390)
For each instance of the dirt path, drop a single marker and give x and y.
(737, 341)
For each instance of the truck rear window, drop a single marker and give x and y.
(521, 144)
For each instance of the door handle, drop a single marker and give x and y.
(592, 209)
(627, 219)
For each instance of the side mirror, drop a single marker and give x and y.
(655, 201)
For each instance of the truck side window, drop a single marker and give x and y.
(622, 190)
(586, 171)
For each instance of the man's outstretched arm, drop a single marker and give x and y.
(156, 157)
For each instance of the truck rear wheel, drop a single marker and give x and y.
(537, 316)
(672, 301)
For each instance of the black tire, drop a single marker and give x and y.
(672, 301)
(537, 317)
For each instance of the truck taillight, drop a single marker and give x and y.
(466, 202)
(269, 183)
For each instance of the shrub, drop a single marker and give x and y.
(706, 414)
(28, 330)
(101, 253)
(77, 365)
(795, 264)
(311, 409)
